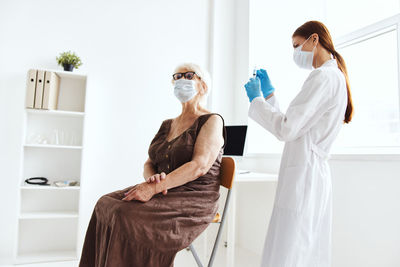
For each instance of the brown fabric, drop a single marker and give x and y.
(135, 234)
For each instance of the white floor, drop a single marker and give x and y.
(184, 258)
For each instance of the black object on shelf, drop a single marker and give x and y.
(37, 181)
(68, 67)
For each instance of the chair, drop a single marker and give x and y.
(227, 176)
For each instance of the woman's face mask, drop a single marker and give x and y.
(303, 59)
(185, 90)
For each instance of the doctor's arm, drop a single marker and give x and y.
(304, 111)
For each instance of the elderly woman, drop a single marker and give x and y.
(147, 224)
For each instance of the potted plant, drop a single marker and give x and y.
(69, 60)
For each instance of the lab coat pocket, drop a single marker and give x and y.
(291, 191)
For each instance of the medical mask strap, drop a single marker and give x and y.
(306, 42)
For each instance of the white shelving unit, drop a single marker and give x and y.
(52, 148)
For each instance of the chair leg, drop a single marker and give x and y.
(221, 227)
(196, 257)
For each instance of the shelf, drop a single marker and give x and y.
(69, 74)
(49, 202)
(51, 146)
(48, 187)
(46, 256)
(39, 235)
(64, 113)
(48, 215)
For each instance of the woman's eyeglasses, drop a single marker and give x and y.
(187, 75)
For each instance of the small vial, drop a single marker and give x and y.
(254, 71)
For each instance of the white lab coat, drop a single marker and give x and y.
(299, 233)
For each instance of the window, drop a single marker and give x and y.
(366, 34)
(344, 16)
(372, 64)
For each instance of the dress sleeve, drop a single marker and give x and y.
(304, 111)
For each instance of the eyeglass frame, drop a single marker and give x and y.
(183, 75)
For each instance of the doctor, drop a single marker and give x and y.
(299, 233)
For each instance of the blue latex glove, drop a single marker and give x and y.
(253, 88)
(266, 86)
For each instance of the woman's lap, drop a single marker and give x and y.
(166, 222)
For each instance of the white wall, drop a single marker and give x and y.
(230, 41)
(129, 50)
(223, 57)
(366, 205)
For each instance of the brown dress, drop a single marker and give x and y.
(136, 234)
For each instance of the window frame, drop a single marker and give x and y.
(372, 31)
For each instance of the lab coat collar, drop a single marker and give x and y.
(330, 62)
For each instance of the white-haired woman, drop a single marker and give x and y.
(147, 224)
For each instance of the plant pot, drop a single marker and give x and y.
(68, 67)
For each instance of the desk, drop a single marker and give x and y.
(241, 178)
(247, 177)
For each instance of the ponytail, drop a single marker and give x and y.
(342, 66)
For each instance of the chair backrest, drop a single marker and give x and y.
(227, 172)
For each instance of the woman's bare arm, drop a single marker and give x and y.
(150, 175)
(148, 169)
(206, 149)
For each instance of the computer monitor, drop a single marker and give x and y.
(235, 140)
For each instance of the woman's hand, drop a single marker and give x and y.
(156, 178)
(142, 192)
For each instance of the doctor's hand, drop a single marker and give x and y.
(266, 86)
(142, 192)
(253, 88)
(157, 178)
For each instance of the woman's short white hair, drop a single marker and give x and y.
(200, 72)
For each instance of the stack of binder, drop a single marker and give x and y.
(42, 89)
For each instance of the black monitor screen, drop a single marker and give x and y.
(235, 139)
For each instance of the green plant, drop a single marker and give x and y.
(69, 58)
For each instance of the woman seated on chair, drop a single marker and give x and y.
(147, 224)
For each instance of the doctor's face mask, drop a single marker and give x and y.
(303, 59)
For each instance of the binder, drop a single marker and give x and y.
(50, 91)
(30, 88)
(39, 89)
